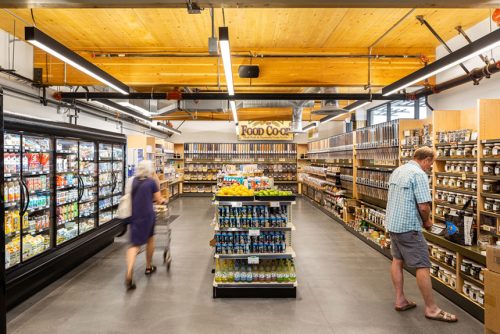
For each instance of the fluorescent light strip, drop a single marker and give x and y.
(232, 105)
(310, 126)
(116, 109)
(135, 107)
(161, 126)
(75, 65)
(228, 71)
(357, 107)
(445, 67)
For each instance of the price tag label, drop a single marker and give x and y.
(189, 159)
(253, 260)
(261, 160)
(236, 204)
(464, 176)
(274, 204)
(254, 232)
(282, 160)
(217, 159)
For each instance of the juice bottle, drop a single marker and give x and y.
(12, 192)
(8, 222)
(25, 221)
(16, 220)
(18, 192)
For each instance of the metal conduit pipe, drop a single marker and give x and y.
(474, 75)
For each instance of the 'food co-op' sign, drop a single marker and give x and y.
(265, 130)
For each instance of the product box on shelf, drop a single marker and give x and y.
(493, 259)
(492, 302)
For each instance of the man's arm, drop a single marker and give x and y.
(425, 211)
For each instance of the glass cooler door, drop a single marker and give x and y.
(105, 183)
(13, 196)
(118, 177)
(37, 205)
(67, 191)
(88, 187)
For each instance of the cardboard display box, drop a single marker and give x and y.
(493, 258)
(491, 302)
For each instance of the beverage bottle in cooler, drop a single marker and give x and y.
(249, 274)
(273, 272)
(8, 222)
(230, 273)
(237, 274)
(293, 275)
(217, 271)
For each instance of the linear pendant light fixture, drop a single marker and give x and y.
(225, 51)
(310, 126)
(232, 105)
(53, 47)
(480, 46)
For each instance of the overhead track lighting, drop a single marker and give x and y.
(226, 58)
(168, 128)
(122, 109)
(232, 105)
(135, 107)
(53, 47)
(357, 104)
(480, 46)
(310, 126)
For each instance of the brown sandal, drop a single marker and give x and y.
(407, 307)
(443, 316)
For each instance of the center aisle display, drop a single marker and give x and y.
(252, 239)
(348, 180)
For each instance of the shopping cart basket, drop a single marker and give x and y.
(163, 231)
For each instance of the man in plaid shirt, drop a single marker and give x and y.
(408, 209)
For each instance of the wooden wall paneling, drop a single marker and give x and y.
(489, 116)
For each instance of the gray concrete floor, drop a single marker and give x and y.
(344, 287)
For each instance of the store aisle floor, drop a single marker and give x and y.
(344, 287)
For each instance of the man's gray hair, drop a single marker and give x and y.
(423, 153)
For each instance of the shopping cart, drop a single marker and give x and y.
(163, 230)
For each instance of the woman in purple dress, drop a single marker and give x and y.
(144, 190)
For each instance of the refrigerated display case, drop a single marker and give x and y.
(62, 187)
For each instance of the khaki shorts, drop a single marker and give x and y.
(412, 248)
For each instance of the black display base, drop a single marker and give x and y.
(32, 276)
(197, 195)
(466, 304)
(254, 292)
(275, 198)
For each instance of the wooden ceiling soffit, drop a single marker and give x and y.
(247, 4)
(244, 114)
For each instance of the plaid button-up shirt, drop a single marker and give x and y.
(408, 187)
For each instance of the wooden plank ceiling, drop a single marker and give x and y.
(162, 48)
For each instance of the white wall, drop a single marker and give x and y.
(16, 55)
(466, 96)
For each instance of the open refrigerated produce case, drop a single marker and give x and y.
(51, 201)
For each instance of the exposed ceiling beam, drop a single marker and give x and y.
(248, 3)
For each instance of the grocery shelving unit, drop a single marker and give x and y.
(202, 161)
(254, 289)
(397, 152)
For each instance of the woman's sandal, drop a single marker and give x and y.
(150, 271)
(443, 316)
(130, 284)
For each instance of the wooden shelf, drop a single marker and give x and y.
(467, 175)
(442, 264)
(490, 195)
(457, 159)
(388, 169)
(453, 206)
(490, 177)
(456, 190)
(490, 214)
(491, 159)
(471, 142)
(470, 252)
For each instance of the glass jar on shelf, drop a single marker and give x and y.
(439, 210)
(440, 152)
(495, 152)
(459, 199)
(497, 169)
(453, 152)
(468, 151)
(473, 185)
(488, 186)
(460, 167)
(467, 184)
(488, 150)
(474, 168)
(447, 167)
(451, 198)
(446, 151)
(468, 167)
(459, 152)
(488, 204)
(496, 206)
(445, 181)
(489, 168)
(474, 151)
(460, 183)
(452, 183)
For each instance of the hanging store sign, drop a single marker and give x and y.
(265, 130)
